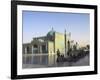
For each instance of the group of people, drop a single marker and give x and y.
(60, 58)
(71, 58)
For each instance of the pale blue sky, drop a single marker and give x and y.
(37, 24)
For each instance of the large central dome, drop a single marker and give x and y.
(50, 34)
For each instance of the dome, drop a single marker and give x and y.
(50, 33)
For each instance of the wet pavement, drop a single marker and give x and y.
(43, 63)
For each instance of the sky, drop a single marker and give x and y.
(37, 24)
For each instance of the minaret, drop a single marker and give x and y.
(65, 42)
(52, 28)
(69, 35)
